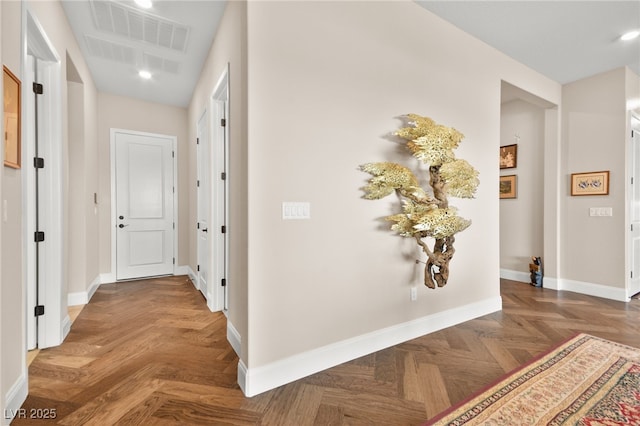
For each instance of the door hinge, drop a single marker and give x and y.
(38, 236)
(223, 122)
(223, 229)
(198, 225)
(174, 260)
(631, 274)
(38, 162)
(173, 154)
(223, 176)
(197, 141)
(174, 225)
(198, 268)
(38, 311)
(38, 88)
(223, 283)
(198, 183)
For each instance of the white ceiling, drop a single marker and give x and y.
(171, 40)
(564, 40)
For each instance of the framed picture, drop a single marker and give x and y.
(592, 183)
(508, 186)
(11, 85)
(509, 156)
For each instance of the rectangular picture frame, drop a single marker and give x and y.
(508, 186)
(590, 183)
(12, 108)
(509, 156)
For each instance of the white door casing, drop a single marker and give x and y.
(144, 204)
(634, 277)
(204, 207)
(220, 190)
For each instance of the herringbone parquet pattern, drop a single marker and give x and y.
(150, 352)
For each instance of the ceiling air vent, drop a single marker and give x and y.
(109, 50)
(156, 63)
(120, 19)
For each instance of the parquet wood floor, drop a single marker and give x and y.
(149, 352)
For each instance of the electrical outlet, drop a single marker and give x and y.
(414, 294)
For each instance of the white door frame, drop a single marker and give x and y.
(113, 220)
(634, 125)
(54, 325)
(203, 171)
(219, 149)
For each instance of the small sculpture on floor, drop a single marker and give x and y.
(536, 271)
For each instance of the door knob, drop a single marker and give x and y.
(205, 230)
(122, 225)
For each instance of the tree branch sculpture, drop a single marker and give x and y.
(427, 214)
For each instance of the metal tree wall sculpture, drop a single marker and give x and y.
(427, 214)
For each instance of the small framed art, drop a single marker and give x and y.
(591, 183)
(11, 87)
(508, 186)
(509, 156)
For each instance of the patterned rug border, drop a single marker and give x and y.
(568, 343)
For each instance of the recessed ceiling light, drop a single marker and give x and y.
(146, 4)
(630, 35)
(144, 74)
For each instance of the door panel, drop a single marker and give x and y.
(144, 206)
(634, 283)
(204, 209)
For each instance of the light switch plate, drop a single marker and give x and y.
(296, 210)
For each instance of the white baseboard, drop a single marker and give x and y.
(15, 397)
(234, 338)
(581, 287)
(107, 278)
(182, 270)
(509, 274)
(598, 290)
(83, 297)
(66, 327)
(254, 381)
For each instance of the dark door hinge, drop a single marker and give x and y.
(198, 183)
(38, 162)
(38, 311)
(223, 122)
(223, 229)
(198, 268)
(38, 88)
(38, 236)
(197, 141)
(223, 176)
(198, 225)
(223, 283)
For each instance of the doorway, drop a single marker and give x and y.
(203, 184)
(143, 208)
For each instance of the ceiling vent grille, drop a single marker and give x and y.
(156, 63)
(120, 19)
(109, 50)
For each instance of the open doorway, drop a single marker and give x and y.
(526, 137)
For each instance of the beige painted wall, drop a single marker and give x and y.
(12, 309)
(594, 123)
(2, 402)
(131, 114)
(325, 89)
(521, 219)
(229, 47)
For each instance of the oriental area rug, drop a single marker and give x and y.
(585, 381)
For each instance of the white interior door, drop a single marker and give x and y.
(634, 281)
(144, 205)
(204, 206)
